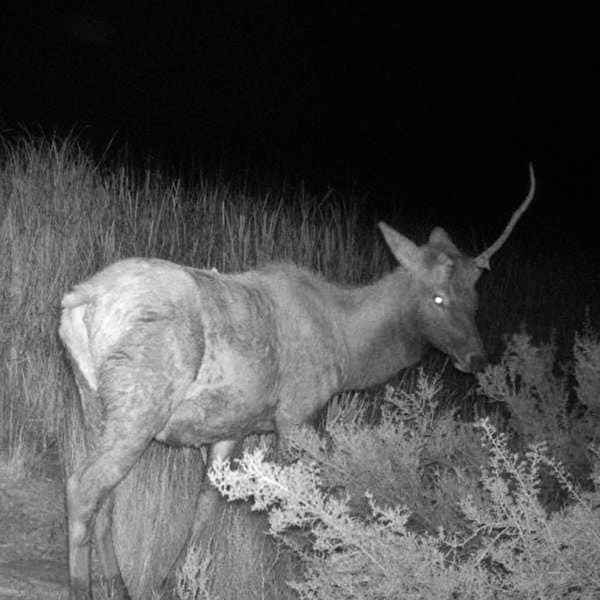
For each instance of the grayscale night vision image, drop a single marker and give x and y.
(299, 303)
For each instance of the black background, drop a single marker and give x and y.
(437, 110)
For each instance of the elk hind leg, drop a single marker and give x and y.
(135, 418)
(106, 551)
(136, 385)
(79, 544)
(87, 488)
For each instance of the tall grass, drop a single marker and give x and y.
(422, 506)
(63, 217)
(53, 210)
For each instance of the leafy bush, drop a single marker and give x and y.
(349, 557)
(411, 458)
(420, 506)
(536, 390)
(539, 556)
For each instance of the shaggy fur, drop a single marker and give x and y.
(191, 357)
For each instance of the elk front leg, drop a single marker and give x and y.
(208, 499)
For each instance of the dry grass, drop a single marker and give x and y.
(235, 558)
(62, 217)
(154, 511)
(31, 512)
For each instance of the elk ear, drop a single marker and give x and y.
(406, 252)
(441, 239)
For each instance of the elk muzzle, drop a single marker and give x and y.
(473, 363)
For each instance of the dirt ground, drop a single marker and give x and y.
(33, 552)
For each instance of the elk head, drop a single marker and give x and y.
(443, 298)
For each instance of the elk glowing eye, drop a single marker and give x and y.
(438, 300)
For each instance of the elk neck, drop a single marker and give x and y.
(380, 325)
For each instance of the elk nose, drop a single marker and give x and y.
(477, 363)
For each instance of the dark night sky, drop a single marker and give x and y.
(437, 111)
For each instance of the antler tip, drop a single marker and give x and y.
(483, 260)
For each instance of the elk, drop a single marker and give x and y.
(185, 356)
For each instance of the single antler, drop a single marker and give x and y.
(483, 260)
